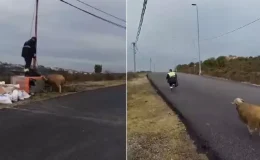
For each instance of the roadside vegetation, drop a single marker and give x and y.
(243, 69)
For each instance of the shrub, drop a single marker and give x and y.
(238, 68)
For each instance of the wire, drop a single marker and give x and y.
(32, 23)
(101, 10)
(141, 21)
(232, 30)
(137, 49)
(118, 25)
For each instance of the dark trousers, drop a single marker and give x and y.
(28, 62)
(172, 81)
(30, 72)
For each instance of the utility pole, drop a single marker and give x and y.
(36, 28)
(154, 67)
(36, 18)
(150, 64)
(198, 27)
(134, 56)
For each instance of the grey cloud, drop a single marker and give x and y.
(170, 30)
(65, 33)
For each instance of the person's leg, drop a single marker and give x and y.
(170, 84)
(28, 61)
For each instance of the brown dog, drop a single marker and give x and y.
(248, 114)
(56, 80)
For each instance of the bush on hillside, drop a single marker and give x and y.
(98, 68)
(235, 68)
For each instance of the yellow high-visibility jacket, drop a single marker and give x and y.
(171, 75)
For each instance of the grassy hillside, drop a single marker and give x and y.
(246, 69)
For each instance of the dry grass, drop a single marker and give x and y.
(154, 130)
(89, 85)
(68, 89)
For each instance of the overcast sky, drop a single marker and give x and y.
(169, 32)
(67, 37)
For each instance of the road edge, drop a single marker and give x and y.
(60, 96)
(199, 142)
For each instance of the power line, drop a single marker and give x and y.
(137, 48)
(141, 21)
(101, 10)
(118, 25)
(32, 22)
(232, 30)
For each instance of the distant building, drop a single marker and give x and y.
(231, 57)
(70, 72)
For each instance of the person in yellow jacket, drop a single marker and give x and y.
(172, 78)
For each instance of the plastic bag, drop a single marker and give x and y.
(25, 95)
(5, 99)
(15, 95)
(20, 95)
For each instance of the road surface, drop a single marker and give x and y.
(86, 125)
(205, 104)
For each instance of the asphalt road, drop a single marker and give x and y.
(205, 103)
(86, 125)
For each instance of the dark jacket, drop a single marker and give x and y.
(29, 49)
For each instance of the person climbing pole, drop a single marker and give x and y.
(29, 55)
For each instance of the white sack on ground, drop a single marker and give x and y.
(25, 95)
(20, 95)
(14, 95)
(5, 99)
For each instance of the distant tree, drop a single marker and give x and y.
(191, 64)
(221, 61)
(179, 67)
(211, 62)
(98, 68)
